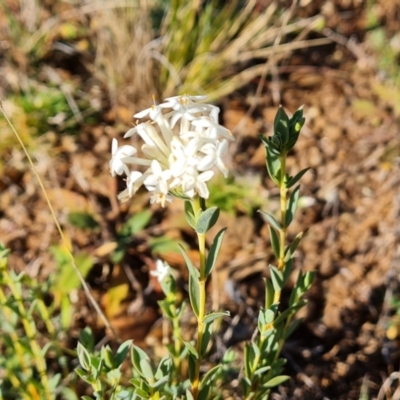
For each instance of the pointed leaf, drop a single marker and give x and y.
(281, 126)
(190, 215)
(214, 251)
(276, 381)
(274, 240)
(194, 294)
(207, 220)
(207, 334)
(277, 278)
(271, 220)
(122, 352)
(292, 206)
(273, 165)
(287, 269)
(137, 355)
(146, 369)
(294, 179)
(193, 271)
(209, 377)
(84, 357)
(191, 349)
(212, 316)
(293, 246)
(269, 293)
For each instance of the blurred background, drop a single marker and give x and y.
(73, 73)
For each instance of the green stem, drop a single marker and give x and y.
(176, 333)
(281, 264)
(202, 300)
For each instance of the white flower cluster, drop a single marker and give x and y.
(181, 147)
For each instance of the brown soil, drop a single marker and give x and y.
(352, 143)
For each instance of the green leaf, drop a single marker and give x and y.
(189, 395)
(161, 245)
(137, 355)
(84, 357)
(191, 349)
(193, 271)
(194, 294)
(164, 367)
(107, 356)
(277, 278)
(208, 380)
(273, 165)
(122, 351)
(214, 251)
(294, 179)
(269, 293)
(136, 223)
(269, 316)
(146, 369)
(292, 206)
(160, 383)
(287, 269)
(274, 240)
(190, 214)
(249, 357)
(86, 338)
(293, 246)
(309, 279)
(281, 126)
(67, 279)
(207, 220)
(271, 220)
(192, 367)
(82, 220)
(262, 370)
(276, 381)
(207, 334)
(214, 315)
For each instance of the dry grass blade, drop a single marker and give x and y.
(223, 42)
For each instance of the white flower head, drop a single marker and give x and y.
(181, 147)
(162, 270)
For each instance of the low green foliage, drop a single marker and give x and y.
(26, 345)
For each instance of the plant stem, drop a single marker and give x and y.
(282, 233)
(176, 334)
(202, 302)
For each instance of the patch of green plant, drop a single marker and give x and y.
(25, 347)
(239, 194)
(44, 108)
(66, 280)
(134, 225)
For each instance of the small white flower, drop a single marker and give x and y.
(180, 148)
(134, 181)
(161, 271)
(213, 129)
(192, 182)
(157, 180)
(117, 165)
(213, 156)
